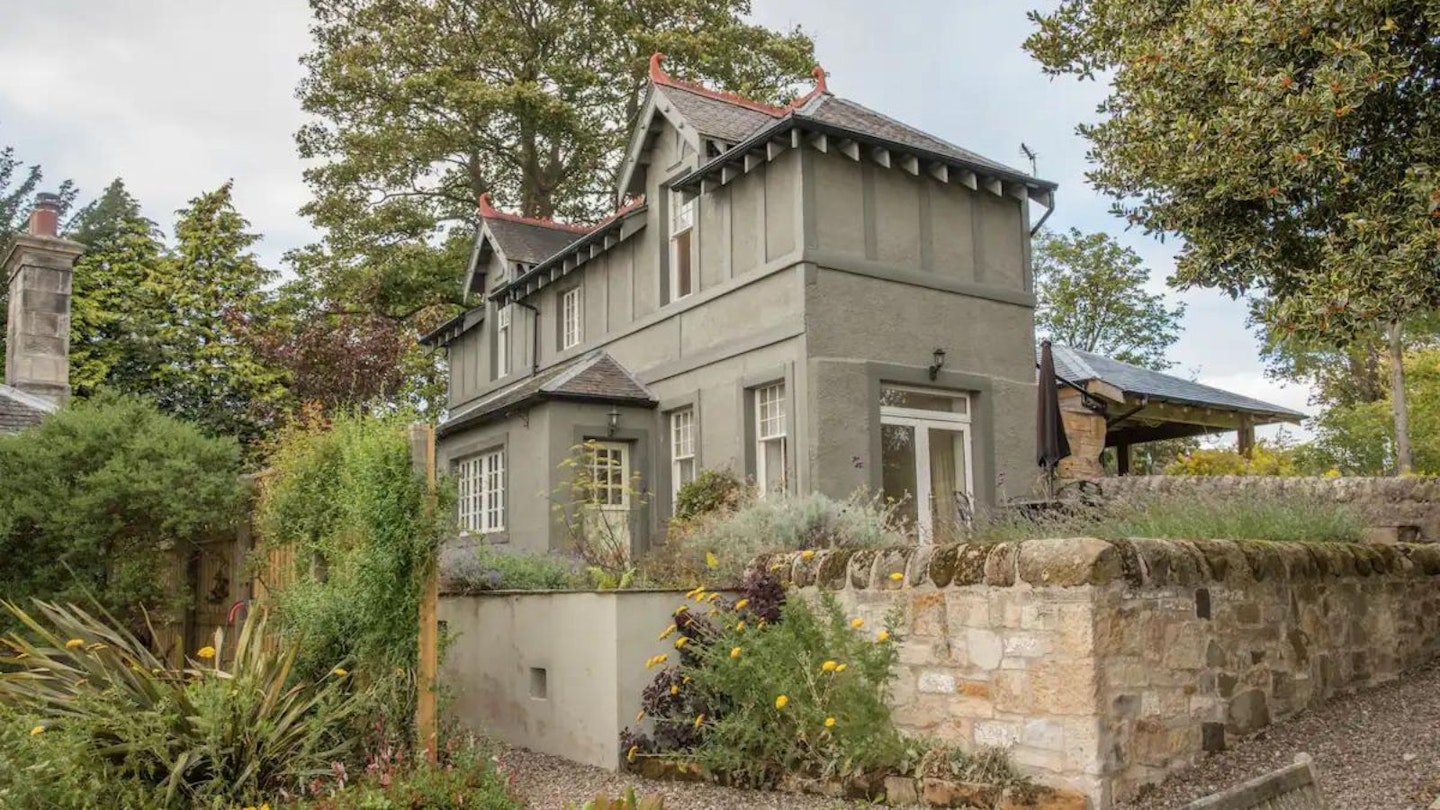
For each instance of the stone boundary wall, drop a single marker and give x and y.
(1106, 665)
(1405, 510)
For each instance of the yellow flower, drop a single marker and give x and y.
(656, 660)
(674, 688)
(829, 722)
(682, 608)
(37, 731)
(206, 652)
(882, 636)
(339, 672)
(265, 806)
(775, 567)
(841, 668)
(640, 715)
(734, 652)
(699, 596)
(699, 718)
(828, 666)
(740, 626)
(630, 755)
(807, 554)
(857, 623)
(741, 604)
(711, 561)
(781, 702)
(712, 597)
(681, 642)
(666, 634)
(695, 591)
(897, 576)
(75, 644)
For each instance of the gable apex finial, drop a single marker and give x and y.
(819, 74)
(657, 73)
(487, 209)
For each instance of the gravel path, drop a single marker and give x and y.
(1377, 750)
(548, 783)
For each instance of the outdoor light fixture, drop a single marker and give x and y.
(937, 361)
(614, 419)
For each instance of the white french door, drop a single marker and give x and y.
(609, 506)
(926, 461)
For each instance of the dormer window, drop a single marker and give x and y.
(682, 225)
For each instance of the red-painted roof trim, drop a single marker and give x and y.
(489, 211)
(659, 76)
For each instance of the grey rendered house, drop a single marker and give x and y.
(816, 297)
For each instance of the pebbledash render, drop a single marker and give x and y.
(815, 297)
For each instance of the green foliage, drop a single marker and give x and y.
(103, 495)
(1359, 438)
(1265, 459)
(18, 186)
(345, 497)
(710, 491)
(467, 779)
(716, 547)
(196, 737)
(927, 758)
(625, 801)
(1187, 516)
(1091, 292)
(1292, 147)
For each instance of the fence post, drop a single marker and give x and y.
(422, 455)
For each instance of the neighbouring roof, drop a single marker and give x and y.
(610, 232)
(593, 377)
(19, 410)
(1077, 366)
(527, 239)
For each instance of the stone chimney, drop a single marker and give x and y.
(39, 266)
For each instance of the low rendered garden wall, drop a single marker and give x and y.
(554, 671)
(1107, 665)
(1403, 509)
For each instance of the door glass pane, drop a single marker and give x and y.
(898, 470)
(948, 503)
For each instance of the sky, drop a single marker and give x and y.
(177, 96)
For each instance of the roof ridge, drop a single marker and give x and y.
(578, 367)
(660, 77)
(489, 211)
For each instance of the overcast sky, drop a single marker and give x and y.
(176, 96)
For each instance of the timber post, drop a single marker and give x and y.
(422, 456)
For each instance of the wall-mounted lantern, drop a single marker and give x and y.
(614, 419)
(937, 361)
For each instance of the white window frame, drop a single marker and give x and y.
(502, 341)
(570, 319)
(771, 426)
(682, 448)
(610, 475)
(682, 221)
(481, 480)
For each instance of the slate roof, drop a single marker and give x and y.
(593, 377)
(847, 114)
(717, 117)
(529, 242)
(1078, 366)
(19, 410)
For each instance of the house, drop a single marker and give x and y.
(1108, 403)
(817, 297)
(38, 269)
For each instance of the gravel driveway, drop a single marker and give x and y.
(1377, 750)
(548, 783)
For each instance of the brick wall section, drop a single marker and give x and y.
(1398, 509)
(1104, 665)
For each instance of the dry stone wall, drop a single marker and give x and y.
(1405, 510)
(1105, 665)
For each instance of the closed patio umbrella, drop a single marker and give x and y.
(1050, 441)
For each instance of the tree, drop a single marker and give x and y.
(1293, 146)
(111, 306)
(99, 497)
(1091, 292)
(201, 297)
(422, 105)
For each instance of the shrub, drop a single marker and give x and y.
(162, 737)
(625, 801)
(710, 491)
(494, 570)
(103, 495)
(346, 499)
(467, 779)
(753, 698)
(731, 539)
(1265, 459)
(1183, 516)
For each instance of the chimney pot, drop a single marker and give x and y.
(45, 219)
